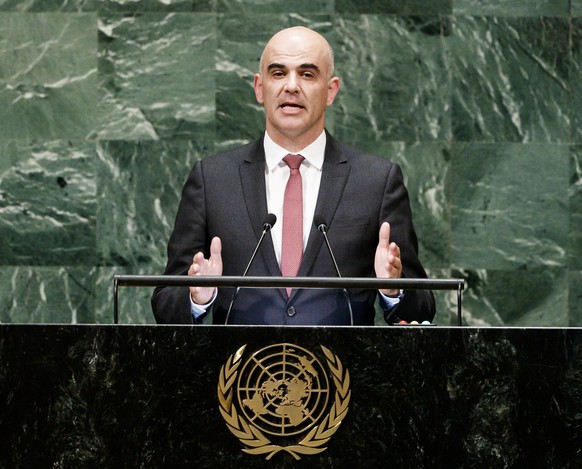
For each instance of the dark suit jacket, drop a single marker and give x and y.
(225, 196)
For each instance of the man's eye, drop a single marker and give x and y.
(278, 74)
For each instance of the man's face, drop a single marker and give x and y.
(295, 87)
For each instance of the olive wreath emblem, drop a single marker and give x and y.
(255, 441)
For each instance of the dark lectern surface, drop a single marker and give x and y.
(147, 396)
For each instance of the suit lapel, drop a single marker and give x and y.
(333, 180)
(252, 175)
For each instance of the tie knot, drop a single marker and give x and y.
(293, 161)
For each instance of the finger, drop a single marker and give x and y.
(394, 250)
(194, 269)
(384, 235)
(196, 263)
(216, 249)
(394, 265)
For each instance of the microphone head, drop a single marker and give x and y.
(319, 223)
(270, 221)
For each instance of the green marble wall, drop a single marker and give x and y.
(105, 105)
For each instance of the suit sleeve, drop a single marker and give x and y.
(416, 305)
(171, 305)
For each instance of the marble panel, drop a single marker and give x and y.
(35, 6)
(511, 79)
(576, 208)
(446, 300)
(398, 7)
(575, 298)
(536, 297)
(31, 294)
(296, 8)
(133, 302)
(156, 76)
(141, 6)
(497, 192)
(576, 79)
(512, 8)
(241, 39)
(47, 203)
(49, 75)
(140, 185)
(395, 78)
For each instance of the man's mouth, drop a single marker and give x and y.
(292, 106)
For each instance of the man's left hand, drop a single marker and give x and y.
(387, 262)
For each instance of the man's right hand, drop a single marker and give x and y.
(202, 266)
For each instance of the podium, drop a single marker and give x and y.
(150, 396)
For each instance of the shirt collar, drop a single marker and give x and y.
(313, 153)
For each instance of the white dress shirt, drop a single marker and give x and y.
(276, 177)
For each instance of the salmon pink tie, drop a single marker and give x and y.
(292, 243)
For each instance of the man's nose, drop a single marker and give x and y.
(291, 83)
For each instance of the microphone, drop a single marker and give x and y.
(321, 226)
(268, 224)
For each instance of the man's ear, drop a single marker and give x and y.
(258, 86)
(333, 90)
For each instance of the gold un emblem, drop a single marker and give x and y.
(280, 399)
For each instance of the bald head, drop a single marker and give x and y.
(296, 85)
(299, 37)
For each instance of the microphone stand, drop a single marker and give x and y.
(323, 228)
(269, 222)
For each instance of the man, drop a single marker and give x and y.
(361, 198)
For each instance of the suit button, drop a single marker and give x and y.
(291, 311)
